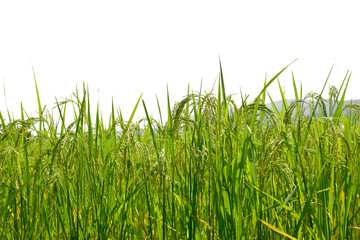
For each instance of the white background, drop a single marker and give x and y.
(125, 48)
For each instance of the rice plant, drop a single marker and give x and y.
(210, 169)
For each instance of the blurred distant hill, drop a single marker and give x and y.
(279, 106)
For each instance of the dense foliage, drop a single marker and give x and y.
(211, 170)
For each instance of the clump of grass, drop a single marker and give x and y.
(211, 170)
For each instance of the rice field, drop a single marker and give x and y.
(209, 168)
